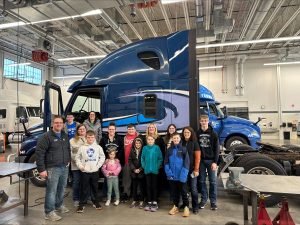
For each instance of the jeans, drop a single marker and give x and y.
(113, 183)
(55, 184)
(76, 185)
(205, 166)
(179, 189)
(194, 190)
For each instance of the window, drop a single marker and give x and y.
(21, 112)
(26, 73)
(242, 112)
(150, 59)
(2, 113)
(33, 111)
(150, 101)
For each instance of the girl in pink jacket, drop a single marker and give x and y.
(111, 169)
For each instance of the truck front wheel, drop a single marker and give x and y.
(34, 174)
(235, 140)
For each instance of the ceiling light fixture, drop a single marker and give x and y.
(292, 38)
(81, 57)
(210, 67)
(19, 64)
(21, 23)
(171, 1)
(281, 63)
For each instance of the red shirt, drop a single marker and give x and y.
(128, 145)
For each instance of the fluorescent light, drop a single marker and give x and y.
(92, 12)
(82, 57)
(19, 64)
(14, 24)
(281, 63)
(171, 1)
(67, 77)
(293, 38)
(210, 67)
(21, 23)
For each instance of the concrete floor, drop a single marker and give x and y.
(230, 209)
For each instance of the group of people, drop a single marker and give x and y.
(143, 163)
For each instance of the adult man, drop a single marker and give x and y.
(209, 145)
(70, 126)
(53, 159)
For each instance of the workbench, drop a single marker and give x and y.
(264, 184)
(8, 169)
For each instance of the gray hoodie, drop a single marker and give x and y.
(90, 157)
(75, 145)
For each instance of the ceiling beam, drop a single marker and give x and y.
(165, 15)
(128, 22)
(186, 15)
(148, 22)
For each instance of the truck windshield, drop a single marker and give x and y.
(33, 111)
(220, 112)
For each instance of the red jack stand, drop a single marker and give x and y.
(283, 217)
(262, 214)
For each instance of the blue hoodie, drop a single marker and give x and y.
(177, 163)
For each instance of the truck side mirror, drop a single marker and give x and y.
(41, 109)
(224, 109)
(23, 120)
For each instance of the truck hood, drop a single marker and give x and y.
(237, 121)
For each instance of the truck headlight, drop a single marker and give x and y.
(254, 133)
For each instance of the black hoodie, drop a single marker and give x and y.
(209, 144)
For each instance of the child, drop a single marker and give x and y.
(137, 173)
(111, 169)
(70, 126)
(89, 159)
(151, 161)
(177, 166)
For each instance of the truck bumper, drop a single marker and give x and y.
(253, 142)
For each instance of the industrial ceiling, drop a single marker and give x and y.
(124, 21)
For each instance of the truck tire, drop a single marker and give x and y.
(255, 163)
(235, 140)
(245, 157)
(34, 174)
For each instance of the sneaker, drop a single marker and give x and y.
(154, 207)
(195, 211)
(133, 204)
(174, 210)
(98, 206)
(124, 198)
(52, 216)
(202, 205)
(76, 203)
(141, 205)
(117, 202)
(62, 209)
(80, 209)
(186, 212)
(107, 203)
(213, 206)
(148, 206)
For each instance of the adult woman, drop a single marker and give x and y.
(168, 138)
(94, 124)
(75, 144)
(189, 140)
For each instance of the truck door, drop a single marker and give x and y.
(53, 104)
(214, 120)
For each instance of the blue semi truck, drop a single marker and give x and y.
(153, 80)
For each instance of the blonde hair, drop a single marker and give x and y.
(155, 135)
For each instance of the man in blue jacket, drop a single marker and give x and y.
(53, 159)
(177, 164)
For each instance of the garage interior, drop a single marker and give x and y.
(252, 71)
